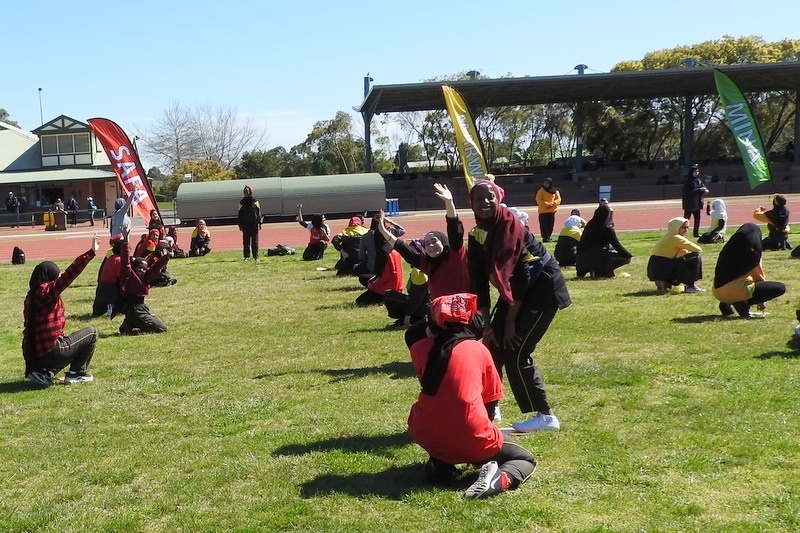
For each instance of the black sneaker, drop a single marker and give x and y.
(725, 309)
(77, 377)
(743, 309)
(41, 377)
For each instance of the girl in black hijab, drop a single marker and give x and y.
(739, 280)
(599, 250)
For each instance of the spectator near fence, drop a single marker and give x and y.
(12, 206)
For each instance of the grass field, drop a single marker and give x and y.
(273, 404)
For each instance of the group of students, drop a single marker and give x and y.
(460, 343)
(123, 284)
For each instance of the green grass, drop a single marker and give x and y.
(273, 404)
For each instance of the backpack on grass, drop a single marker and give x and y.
(17, 256)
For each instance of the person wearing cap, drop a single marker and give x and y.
(347, 242)
(692, 197)
(547, 201)
(92, 207)
(12, 206)
(777, 220)
(249, 223)
(450, 419)
(502, 253)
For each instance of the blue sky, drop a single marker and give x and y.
(288, 65)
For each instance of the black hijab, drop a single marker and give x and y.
(740, 255)
(44, 272)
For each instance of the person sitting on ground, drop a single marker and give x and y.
(675, 259)
(347, 243)
(411, 306)
(201, 240)
(388, 266)
(719, 223)
(739, 280)
(450, 419)
(568, 239)
(147, 244)
(370, 256)
(599, 251)
(444, 259)
(107, 297)
(777, 220)
(135, 278)
(45, 347)
(319, 235)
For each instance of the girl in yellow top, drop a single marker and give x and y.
(675, 259)
(547, 200)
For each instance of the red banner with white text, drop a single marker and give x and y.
(126, 165)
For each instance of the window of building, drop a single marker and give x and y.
(65, 143)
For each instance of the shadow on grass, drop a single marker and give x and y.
(793, 347)
(645, 293)
(395, 483)
(18, 386)
(396, 370)
(705, 318)
(375, 444)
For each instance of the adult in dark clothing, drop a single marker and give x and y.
(249, 223)
(444, 258)
(692, 197)
(450, 420)
(777, 220)
(72, 211)
(739, 280)
(599, 250)
(44, 346)
(347, 242)
(503, 253)
(12, 207)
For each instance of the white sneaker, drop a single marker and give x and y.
(491, 481)
(797, 331)
(540, 422)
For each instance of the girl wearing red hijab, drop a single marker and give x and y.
(503, 253)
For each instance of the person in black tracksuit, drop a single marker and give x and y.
(249, 223)
(503, 253)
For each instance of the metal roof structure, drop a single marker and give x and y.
(689, 81)
(55, 175)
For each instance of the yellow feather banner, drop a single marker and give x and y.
(469, 145)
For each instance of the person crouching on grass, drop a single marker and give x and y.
(460, 385)
(135, 278)
(44, 346)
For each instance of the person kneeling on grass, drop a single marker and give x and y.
(135, 278)
(460, 385)
(44, 346)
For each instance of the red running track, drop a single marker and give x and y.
(39, 244)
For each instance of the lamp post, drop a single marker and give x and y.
(41, 115)
(367, 122)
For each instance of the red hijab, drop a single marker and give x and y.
(504, 244)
